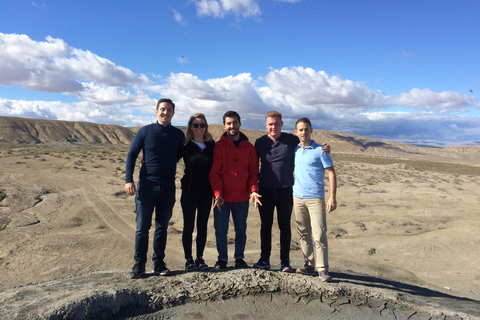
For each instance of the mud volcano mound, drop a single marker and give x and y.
(230, 294)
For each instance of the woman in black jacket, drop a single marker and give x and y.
(197, 193)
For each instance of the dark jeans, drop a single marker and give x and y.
(200, 202)
(150, 197)
(282, 199)
(221, 219)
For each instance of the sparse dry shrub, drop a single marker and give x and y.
(75, 222)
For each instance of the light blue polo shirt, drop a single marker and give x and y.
(310, 164)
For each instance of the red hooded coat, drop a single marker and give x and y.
(234, 173)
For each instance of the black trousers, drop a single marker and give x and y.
(282, 199)
(201, 204)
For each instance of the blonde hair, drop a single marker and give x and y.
(273, 113)
(189, 134)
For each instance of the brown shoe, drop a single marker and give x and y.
(307, 269)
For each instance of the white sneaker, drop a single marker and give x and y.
(323, 275)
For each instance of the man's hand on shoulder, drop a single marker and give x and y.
(326, 148)
(208, 137)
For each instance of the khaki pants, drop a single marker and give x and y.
(311, 220)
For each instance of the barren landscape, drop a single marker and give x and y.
(404, 241)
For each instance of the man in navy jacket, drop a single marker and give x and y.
(160, 143)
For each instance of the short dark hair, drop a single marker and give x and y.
(167, 101)
(304, 120)
(231, 114)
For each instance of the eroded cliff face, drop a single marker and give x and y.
(14, 129)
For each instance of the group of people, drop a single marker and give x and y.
(291, 176)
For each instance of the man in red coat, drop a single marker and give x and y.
(234, 180)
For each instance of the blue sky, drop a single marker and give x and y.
(404, 71)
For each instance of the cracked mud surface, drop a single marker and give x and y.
(231, 294)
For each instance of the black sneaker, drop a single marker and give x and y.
(138, 270)
(240, 264)
(190, 265)
(201, 265)
(263, 263)
(160, 268)
(221, 264)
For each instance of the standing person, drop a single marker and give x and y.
(234, 179)
(197, 194)
(309, 200)
(276, 151)
(160, 143)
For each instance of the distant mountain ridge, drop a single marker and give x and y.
(27, 130)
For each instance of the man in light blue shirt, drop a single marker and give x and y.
(309, 200)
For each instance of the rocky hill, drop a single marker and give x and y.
(26, 130)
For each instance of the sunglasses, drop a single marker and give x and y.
(196, 125)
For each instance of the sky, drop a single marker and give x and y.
(406, 71)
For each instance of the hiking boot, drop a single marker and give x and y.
(324, 276)
(221, 264)
(190, 265)
(285, 266)
(307, 269)
(263, 263)
(240, 264)
(138, 270)
(201, 265)
(160, 269)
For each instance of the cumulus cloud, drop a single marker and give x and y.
(317, 88)
(220, 8)
(426, 99)
(77, 111)
(53, 66)
(178, 17)
(420, 127)
(112, 94)
(212, 96)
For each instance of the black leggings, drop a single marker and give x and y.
(192, 202)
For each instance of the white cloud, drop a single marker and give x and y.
(105, 95)
(220, 8)
(78, 111)
(317, 88)
(53, 66)
(113, 94)
(426, 99)
(178, 17)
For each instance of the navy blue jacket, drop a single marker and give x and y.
(160, 145)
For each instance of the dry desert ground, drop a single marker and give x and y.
(407, 216)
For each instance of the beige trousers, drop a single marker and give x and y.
(310, 215)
